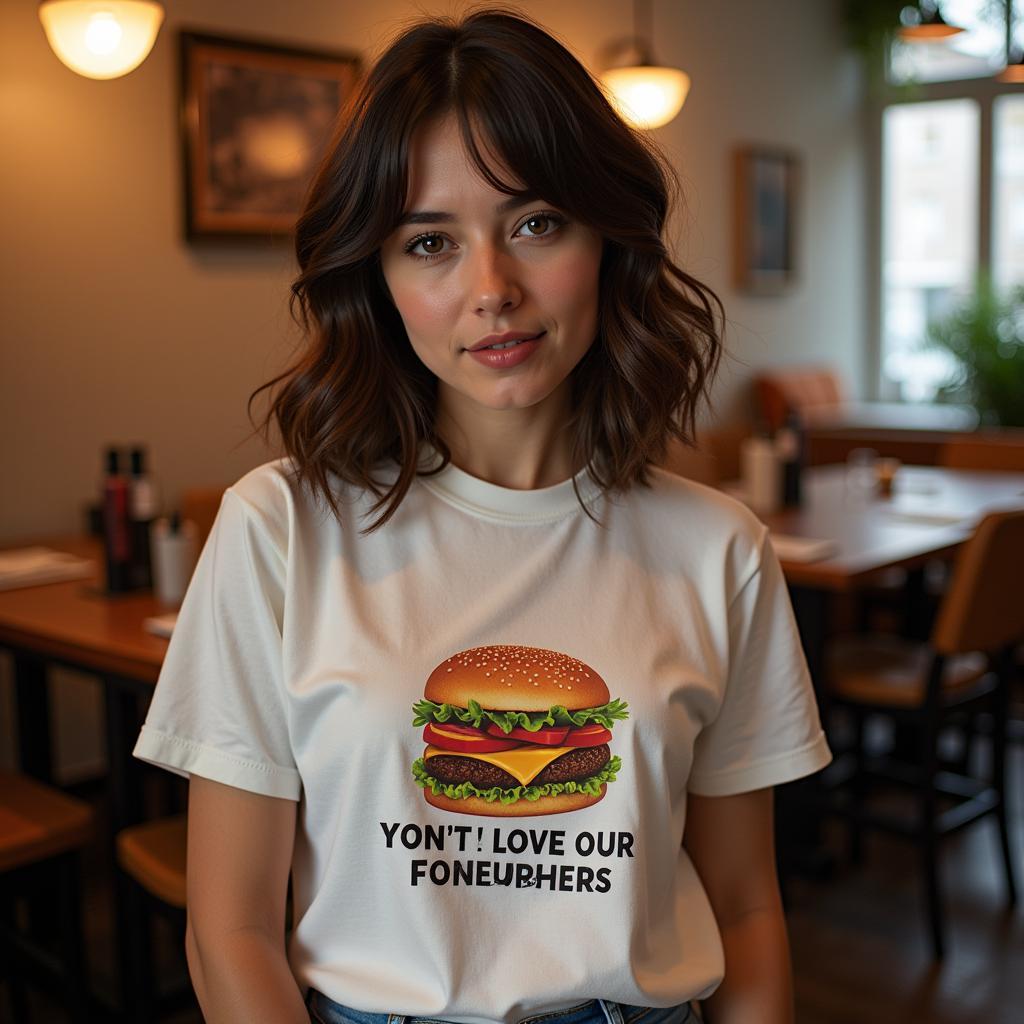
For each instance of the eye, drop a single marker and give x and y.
(541, 224)
(544, 219)
(433, 245)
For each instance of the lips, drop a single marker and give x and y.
(508, 340)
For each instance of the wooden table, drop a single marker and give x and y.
(932, 510)
(77, 625)
(74, 624)
(931, 513)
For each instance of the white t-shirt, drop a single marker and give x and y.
(301, 647)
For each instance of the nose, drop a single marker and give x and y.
(493, 281)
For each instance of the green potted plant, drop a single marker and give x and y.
(985, 335)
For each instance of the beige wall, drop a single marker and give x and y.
(115, 329)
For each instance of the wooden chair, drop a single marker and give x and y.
(1000, 450)
(995, 450)
(693, 463)
(966, 666)
(42, 832)
(715, 459)
(151, 857)
(796, 389)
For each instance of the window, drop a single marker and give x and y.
(1008, 191)
(942, 219)
(930, 232)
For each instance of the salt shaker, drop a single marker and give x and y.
(175, 553)
(762, 474)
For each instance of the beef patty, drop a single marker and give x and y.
(576, 764)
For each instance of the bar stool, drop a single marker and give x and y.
(42, 832)
(152, 857)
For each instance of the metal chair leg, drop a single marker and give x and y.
(1000, 716)
(858, 788)
(929, 838)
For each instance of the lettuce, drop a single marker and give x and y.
(590, 785)
(606, 715)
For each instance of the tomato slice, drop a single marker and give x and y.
(592, 735)
(550, 735)
(462, 730)
(440, 736)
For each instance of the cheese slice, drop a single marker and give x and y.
(522, 763)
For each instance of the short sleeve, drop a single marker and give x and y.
(219, 708)
(768, 730)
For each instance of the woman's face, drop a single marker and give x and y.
(469, 261)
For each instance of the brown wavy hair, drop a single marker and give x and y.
(358, 393)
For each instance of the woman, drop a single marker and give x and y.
(514, 740)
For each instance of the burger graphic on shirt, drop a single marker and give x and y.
(515, 731)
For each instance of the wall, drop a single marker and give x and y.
(116, 330)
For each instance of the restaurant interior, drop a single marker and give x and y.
(852, 187)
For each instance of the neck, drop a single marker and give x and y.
(521, 449)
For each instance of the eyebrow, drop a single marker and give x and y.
(442, 217)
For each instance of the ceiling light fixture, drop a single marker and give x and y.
(101, 38)
(646, 94)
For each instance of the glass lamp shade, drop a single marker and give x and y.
(101, 38)
(647, 96)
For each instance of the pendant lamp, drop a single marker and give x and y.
(101, 38)
(928, 27)
(646, 94)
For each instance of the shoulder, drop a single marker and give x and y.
(719, 514)
(268, 496)
(274, 497)
(704, 524)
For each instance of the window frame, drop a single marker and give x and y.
(984, 91)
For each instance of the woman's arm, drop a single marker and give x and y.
(239, 857)
(730, 840)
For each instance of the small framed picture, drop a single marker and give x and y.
(256, 118)
(766, 198)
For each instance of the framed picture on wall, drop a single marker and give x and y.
(256, 118)
(765, 206)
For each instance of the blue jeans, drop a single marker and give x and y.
(595, 1011)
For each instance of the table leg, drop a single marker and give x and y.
(915, 622)
(33, 700)
(811, 609)
(121, 702)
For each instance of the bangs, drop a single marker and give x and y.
(504, 122)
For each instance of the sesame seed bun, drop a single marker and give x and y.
(559, 803)
(508, 677)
